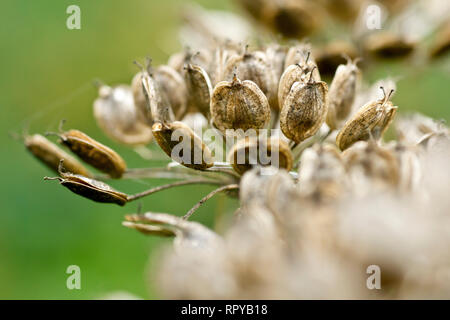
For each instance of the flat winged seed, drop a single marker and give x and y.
(254, 66)
(291, 75)
(181, 144)
(174, 89)
(342, 94)
(249, 152)
(239, 104)
(117, 116)
(51, 155)
(304, 110)
(372, 119)
(199, 89)
(94, 153)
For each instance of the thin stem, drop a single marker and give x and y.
(168, 186)
(209, 196)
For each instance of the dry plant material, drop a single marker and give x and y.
(333, 54)
(441, 44)
(301, 55)
(199, 89)
(239, 104)
(293, 73)
(304, 110)
(372, 120)
(173, 88)
(388, 45)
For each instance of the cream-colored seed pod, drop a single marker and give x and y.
(276, 55)
(199, 89)
(173, 88)
(372, 119)
(253, 151)
(182, 145)
(117, 115)
(254, 66)
(239, 104)
(301, 55)
(139, 99)
(342, 94)
(304, 110)
(294, 73)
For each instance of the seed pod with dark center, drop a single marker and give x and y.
(199, 89)
(333, 54)
(342, 94)
(294, 73)
(180, 143)
(173, 88)
(89, 188)
(387, 45)
(254, 66)
(304, 109)
(239, 105)
(51, 155)
(117, 116)
(372, 120)
(94, 153)
(441, 44)
(249, 152)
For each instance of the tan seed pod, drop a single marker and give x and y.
(94, 153)
(254, 66)
(249, 152)
(116, 114)
(304, 110)
(372, 119)
(51, 155)
(173, 87)
(180, 143)
(342, 94)
(301, 55)
(441, 44)
(179, 60)
(276, 55)
(239, 104)
(294, 73)
(140, 101)
(199, 89)
(386, 45)
(89, 188)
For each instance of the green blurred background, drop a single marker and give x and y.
(46, 75)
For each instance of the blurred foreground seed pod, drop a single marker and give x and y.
(199, 89)
(239, 104)
(182, 145)
(409, 167)
(249, 152)
(304, 110)
(333, 54)
(51, 155)
(254, 66)
(173, 88)
(441, 44)
(94, 153)
(342, 94)
(89, 188)
(116, 114)
(413, 129)
(387, 45)
(372, 119)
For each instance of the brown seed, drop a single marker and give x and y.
(173, 88)
(372, 119)
(199, 89)
(117, 116)
(255, 67)
(89, 188)
(94, 153)
(342, 94)
(180, 143)
(249, 152)
(304, 109)
(388, 45)
(51, 155)
(239, 104)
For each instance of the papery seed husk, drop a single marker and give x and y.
(140, 101)
(342, 94)
(255, 67)
(50, 154)
(173, 87)
(94, 153)
(199, 89)
(304, 110)
(163, 136)
(276, 55)
(250, 146)
(201, 57)
(388, 45)
(291, 75)
(301, 55)
(239, 104)
(117, 115)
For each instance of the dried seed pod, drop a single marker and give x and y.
(199, 89)
(304, 109)
(301, 55)
(441, 44)
(93, 152)
(372, 119)
(239, 104)
(276, 55)
(333, 54)
(50, 154)
(342, 94)
(173, 88)
(252, 151)
(294, 73)
(219, 62)
(180, 143)
(140, 101)
(117, 116)
(254, 66)
(179, 60)
(388, 45)
(409, 167)
(89, 188)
